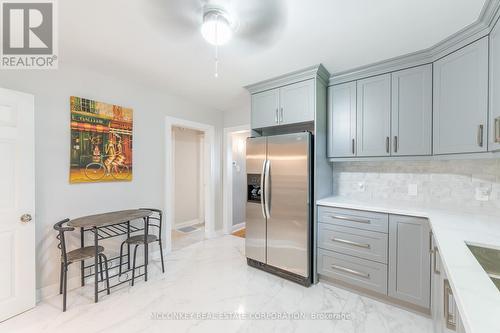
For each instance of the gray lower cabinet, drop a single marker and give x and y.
(358, 219)
(352, 247)
(358, 272)
(373, 116)
(297, 102)
(445, 315)
(355, 242)
(437, 291)
(411, 115)
(386, 253)
(342, 120)
(409, 260)
(265, 109)
(461, 100)
(494, 128)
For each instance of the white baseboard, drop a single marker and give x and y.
(187, 223)
(237, 227)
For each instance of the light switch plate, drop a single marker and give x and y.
(413, 190)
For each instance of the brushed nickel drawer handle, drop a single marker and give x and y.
(431, 249)
(396, 143)
(351, 271)
(387, 145)
(353, 146)
(480, 135)
(348, 242)
(436, 271)
(352, 219)
(497, 130)
(449, 307)
(276, 116)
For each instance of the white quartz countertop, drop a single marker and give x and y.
(477, 298)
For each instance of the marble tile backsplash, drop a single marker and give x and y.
(447, 183)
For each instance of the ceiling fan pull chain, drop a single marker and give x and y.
(216, 61)
(216, 48)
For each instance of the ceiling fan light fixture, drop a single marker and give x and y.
(216, 28)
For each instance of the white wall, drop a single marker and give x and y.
(238, 117)
(447, 183)
(187, 165)
(55, 197)
(239, 177)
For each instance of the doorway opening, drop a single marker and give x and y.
(189, 185)
(190, 190)
(235, 180)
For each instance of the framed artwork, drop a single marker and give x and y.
(101, 142)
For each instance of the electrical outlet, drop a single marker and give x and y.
(483, 193)
(361, 186)
(413, 190)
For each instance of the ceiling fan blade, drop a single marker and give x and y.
(176, 17)
(261, 22)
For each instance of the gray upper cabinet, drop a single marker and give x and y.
(494, 130)
(461, 100)
(342, 120)
(297, 102)
(412, 111)
(409, 260)
(374, 116)
(294, 103)
(265, 108)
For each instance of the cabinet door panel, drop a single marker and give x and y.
(494, 130)
(342, 120)
(297, 102)
(374, 116)
(461, 100)
(409, 259)
(265, 107)
(412, 111)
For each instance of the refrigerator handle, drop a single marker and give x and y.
(267, 194)
(262, 186)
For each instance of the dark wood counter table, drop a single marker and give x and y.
(108, 225)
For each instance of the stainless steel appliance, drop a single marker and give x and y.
(278, 209)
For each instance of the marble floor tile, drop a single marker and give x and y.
(182, 239)
(212, 278)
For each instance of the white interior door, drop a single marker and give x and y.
(17, 203)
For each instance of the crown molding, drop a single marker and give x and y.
(477, 30)
(313, 72)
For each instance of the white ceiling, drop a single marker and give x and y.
(157, 42)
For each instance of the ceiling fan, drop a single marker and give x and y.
(249, 24)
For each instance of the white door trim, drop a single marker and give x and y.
(228, 176)
(209, 176)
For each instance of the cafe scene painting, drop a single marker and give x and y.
(101, 142)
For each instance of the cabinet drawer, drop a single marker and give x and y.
(354, 218)
(356, 242)
(355, 271)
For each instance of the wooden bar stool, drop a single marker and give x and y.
(154, 221)
(77, 255)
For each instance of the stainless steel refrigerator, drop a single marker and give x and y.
(278, 208)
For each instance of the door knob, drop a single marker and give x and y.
(25, 218)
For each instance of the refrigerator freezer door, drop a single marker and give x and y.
(255, 237)
(289, 220)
